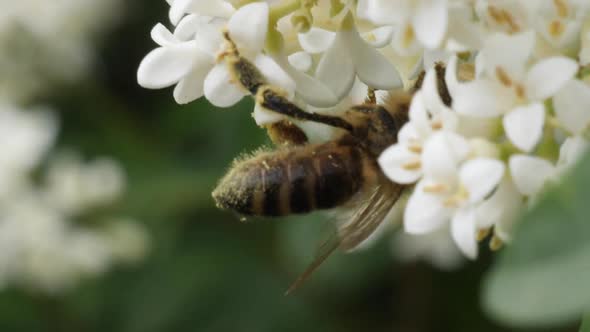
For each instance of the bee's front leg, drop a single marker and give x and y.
(273, 99)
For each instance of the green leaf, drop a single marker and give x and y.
(543, 277)
(585, 324)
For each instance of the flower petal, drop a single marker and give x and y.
(189, 25)
(191, 86)
(310, 89)
(480, 98)
(336, 68)
(379, 37)
(218, 87)
(248, 27)
(425, 212)
(209, 37)
(213, 8)
(162, 36)
(520, 45)
(165, 66)
(430, 22)
(463, 230)
(501, 209)
(371, 66)
(275, 74)
(263, 116)
(395, 162)
(316, 40)
(571, 151)
(524, 126)
(547, 76)
(572, 106)
(442, 154)
(301, 61)
(530, 173)
(480, 176)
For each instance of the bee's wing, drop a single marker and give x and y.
(368, 215)
(364, 218)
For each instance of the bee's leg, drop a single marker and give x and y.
(273, 99)
(367, 108)
(443, 90)
(286, 133)
(371, 97)
(441, 84)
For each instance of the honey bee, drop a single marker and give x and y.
(299, 177)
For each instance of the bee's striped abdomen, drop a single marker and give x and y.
(294, 181)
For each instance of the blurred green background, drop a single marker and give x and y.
(206, 271)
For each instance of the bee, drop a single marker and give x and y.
(299, 177)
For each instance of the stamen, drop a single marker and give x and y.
(436, 188)
(415, 147)
(437, 125)
(503, 77)
(510, 21)
(561, 7)
(482, 234)
(412, 166)
(456, 199)
(409, 36)
(495, 14)
(556, 28)
(495, 243)
(520, 91)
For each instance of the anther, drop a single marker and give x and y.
(482, 234)
(561, 7)
(435, 188)
(496, 243)
(503, 76)
(412, 166)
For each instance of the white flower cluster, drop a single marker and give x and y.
(520, 108)
(42, 41)
(40, 245)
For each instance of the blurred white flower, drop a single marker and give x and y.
(436, 248)
(508, 86)
(46, 41)
(41, 247)
(73, 186)
(25, 137)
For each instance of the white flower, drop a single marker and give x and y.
(451, 191)
(350, 56)
(73, 186)
(505, 86)
(402, 162)
(421, 20)
(188, 57)
(213, 8)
